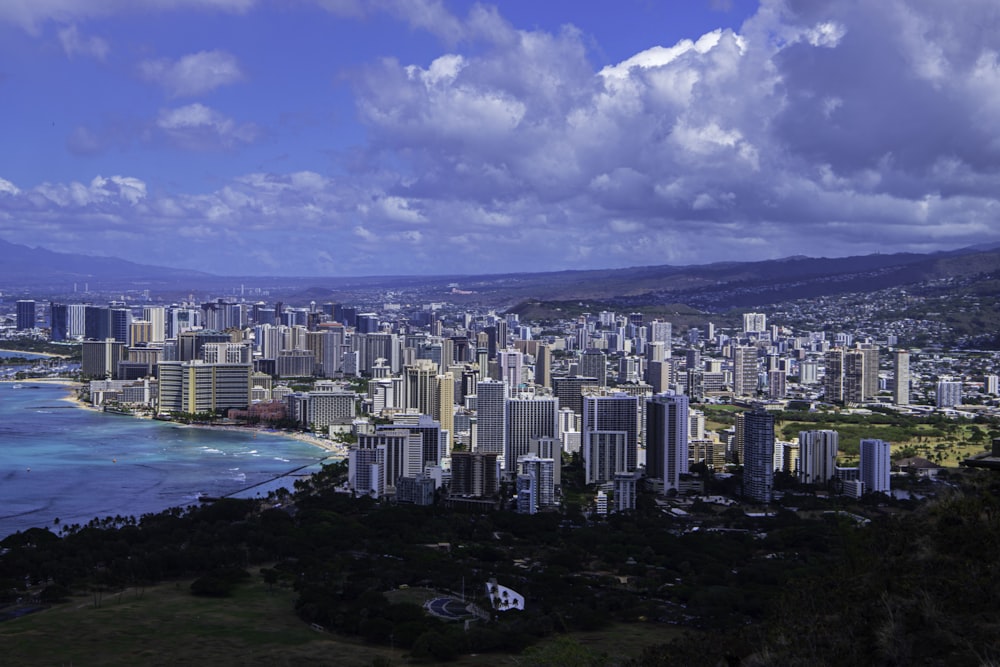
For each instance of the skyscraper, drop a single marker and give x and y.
(833, 381)
(901, 370)
(58, 321)
(817, 456)
(754, 323)
(528, 418)
(610, 436)
(594, 363)
(948, 393)
(667, 423)
(25, 314)
(157, 317)
(745, 371)
(874, 466)
(491, 416)
(758, 451)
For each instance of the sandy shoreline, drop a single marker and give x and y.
(334, 448)
(47, 355)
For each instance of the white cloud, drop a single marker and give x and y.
(193, 74)
(74, 44)
(197, 126)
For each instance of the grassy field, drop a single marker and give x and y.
(166, 625)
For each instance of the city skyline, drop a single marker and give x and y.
(336, 138)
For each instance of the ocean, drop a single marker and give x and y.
(60, 461)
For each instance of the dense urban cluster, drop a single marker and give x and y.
(477, 409)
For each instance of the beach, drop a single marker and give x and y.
(63, 462)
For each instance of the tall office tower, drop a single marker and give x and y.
(510, 364)
(628, 370)
(120, 320)
(97, 323)
(374, 346)
(76, 320)
(569, 391)
(140, 332)
(194, 386)
(327, 346)
(25, 314)
(854, 377)
(656, 351)
(692, 359)
(776, 384)
(901, 371)
(157, 317)
(403, 452)
(745, 371)
(365, 471)
(491, 416)
(948, 394)
(528, 418)
(189, 343)
(667, 424)
(610, 436)
(594, 363)
(817, 456)
(758, 451)
(58, 321)
(661, 332)
(542, 471)
(870, 371)
(833, 381)
(421, 386)
(754, 323)
(445, 414)
(434, 440)
(99, 358)
(492, 340)
(873, 470)
(808, 372)
(543, 366)
(659, 374)
(474, 474)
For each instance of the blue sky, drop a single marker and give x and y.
(344, 137)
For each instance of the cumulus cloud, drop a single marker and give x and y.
(816, 128)
(193, 74)
(74, 43)
(199, 127)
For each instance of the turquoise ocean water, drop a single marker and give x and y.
(61, 461)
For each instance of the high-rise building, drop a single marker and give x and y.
(817, 456)
(474, 474)
(610, 436)
(873, 470)
(754, 323)
(542, 470)
(758, 452)
(991, 384)
(833, 381)
(543, 366)
(527, 419)
(594, 363)
(625, 491)
(901, 371)
(776, 384)
(948, 394)
(25, 314)
(76, 320)
(661, 332)
(667, 424)
(510, 364)
(745, 371)
(58, 321)
(198, 387)
(120, 322)
(569, 391)
(99, 358)
(491, 416)
(157, 318)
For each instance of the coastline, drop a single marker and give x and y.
(329, 446)
(47, 355)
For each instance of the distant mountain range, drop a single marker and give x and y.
(21, 265)
(711, 287)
